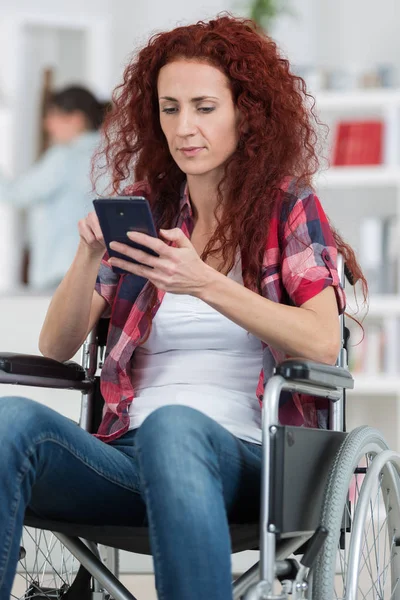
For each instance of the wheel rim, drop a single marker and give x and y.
(368, 565)
(46, 569)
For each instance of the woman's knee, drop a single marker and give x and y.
(174, 435)
(173, 421)
(19, 414)
(176, 452)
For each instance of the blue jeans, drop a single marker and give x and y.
(181, 474)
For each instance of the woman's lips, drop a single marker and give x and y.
(191, 151)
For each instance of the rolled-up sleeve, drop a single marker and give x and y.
(309, 252)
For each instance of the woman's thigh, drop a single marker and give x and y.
(91, 482)
(192, 455)
(71, 474)
(77, 477)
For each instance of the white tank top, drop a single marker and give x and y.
(197, 357)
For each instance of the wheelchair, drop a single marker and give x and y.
(330, 504)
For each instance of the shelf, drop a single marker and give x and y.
(382, 385)
(358, 99)
(384, 305)
(340, 177)
(379, 306)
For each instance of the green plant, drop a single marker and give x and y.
(264, 12)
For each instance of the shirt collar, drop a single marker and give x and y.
(184, 199)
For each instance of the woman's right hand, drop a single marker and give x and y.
(91, 234)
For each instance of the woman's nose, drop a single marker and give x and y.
(186, 124)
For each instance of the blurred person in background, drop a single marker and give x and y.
(56, 189)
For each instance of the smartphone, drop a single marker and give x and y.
(121, 214)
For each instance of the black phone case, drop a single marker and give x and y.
(121, 214)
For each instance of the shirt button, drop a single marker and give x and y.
(326, 255)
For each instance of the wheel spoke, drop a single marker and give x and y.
(45, 557)
(369, 563)
(48, 565)
(385, 544)
(376, 552)
(374, 535)
(394, 589)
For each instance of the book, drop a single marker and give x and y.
(376, 350)
(358, 143)
(379, 252)
(391, 336)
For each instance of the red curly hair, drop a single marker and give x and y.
(277, 137)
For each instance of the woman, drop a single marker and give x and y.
(56, 189)
(216, 127)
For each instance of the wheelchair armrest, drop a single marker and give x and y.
(314, 373)
(30, 369)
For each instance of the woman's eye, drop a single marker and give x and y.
(170, 110)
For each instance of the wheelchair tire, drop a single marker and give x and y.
(48, 571)
(361, 511)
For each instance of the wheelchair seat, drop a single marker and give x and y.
(135, 539)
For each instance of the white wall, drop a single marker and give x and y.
(296, 32)
(331, 33)
(358, 32)
(11, 11)
(134, 22)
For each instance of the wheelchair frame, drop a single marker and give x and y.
(281, 531)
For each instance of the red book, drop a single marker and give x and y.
(358, 143)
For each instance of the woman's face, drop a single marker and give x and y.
(198, 116)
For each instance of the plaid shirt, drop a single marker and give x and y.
(299, 262)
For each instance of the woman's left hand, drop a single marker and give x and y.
(177, 269)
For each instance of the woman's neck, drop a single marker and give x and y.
(204, 199)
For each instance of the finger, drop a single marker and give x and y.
(176, 235)
(149, 241)
(139, 255)
(126, 265)
(94, 224)
(86, 232)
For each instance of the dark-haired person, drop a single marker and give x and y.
(57, 188)
(215, 129)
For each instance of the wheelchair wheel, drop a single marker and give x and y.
(48, 571)
(361, 555)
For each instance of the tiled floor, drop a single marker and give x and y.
(141, 586)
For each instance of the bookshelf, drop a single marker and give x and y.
(369, 98)
(340, 177)
(385, 304)
(377, 385)
(349, 195)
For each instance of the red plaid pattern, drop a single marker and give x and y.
(299, 262)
